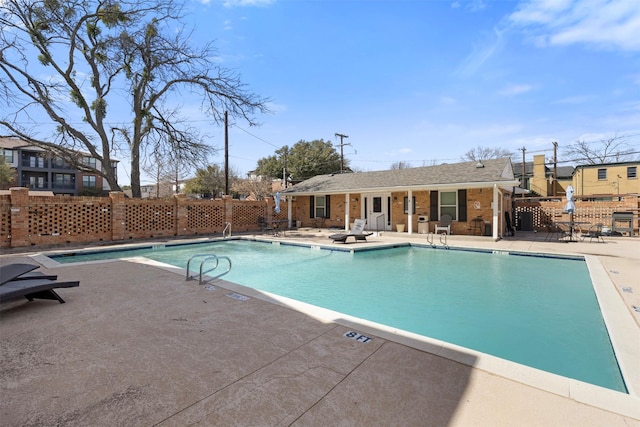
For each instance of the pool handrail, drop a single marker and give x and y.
(207, 257)
(227, 226)
(445, 244)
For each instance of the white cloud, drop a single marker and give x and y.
(514, 89)
(276, 108)
(481, 54)
(606, 24)
(448, 100)
(242, 3)
(575, 100)
(470, 6)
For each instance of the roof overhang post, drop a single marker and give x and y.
(410, 212)
(496, 212)
(347, 209)
(289, 211)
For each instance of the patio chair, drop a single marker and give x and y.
(264, 225)
(510, 228)
(35, 288)
(357, 232)
(11, 271)
(444, 224)
(594, 232)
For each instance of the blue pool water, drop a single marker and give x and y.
(537, 311)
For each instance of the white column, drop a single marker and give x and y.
(410, 211)
(496, 212)
(346, 211)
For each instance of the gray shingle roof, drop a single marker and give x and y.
(467, 174)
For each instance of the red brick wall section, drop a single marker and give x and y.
(41, 221)
(545, 212)
(202, 216)
(146, 218)
(5, 221)
(246, 214)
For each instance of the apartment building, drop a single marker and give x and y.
(607, 179)
(41, 170)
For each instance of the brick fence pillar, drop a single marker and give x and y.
(228, 209)
(118, 223)
(269, 209)
(182, 215)
(19, 217)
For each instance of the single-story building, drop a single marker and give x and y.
(475, 194)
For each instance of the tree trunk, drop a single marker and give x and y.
(135, 175)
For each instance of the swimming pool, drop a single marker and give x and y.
(537, 311)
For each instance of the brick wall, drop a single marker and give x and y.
(544, 212)
(41, 221)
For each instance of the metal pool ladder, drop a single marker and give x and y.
(227, 226)
(446, 246)
(205, 258)
(430, 239)
(444, 243)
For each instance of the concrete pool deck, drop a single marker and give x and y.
(137, 345)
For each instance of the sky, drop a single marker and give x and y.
(423, 82)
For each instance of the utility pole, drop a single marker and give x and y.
(523, 168)
(284, 167)
(342, 144)
(555, 167)
(226, 152)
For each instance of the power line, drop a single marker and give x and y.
(256, 137)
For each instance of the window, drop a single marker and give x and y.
(602, 174)
(89, 181)
(320, 207)
(59, 163)
(36, 182)
(63, 180)
(8, 155)
(448, 204)
(406, 205)
(32, 160)
(632, 172)
(89, 161)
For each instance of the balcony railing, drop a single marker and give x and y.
(58, 186)
(35, 185)
(35, 162)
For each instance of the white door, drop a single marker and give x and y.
(376, 210)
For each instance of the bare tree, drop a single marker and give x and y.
(400, 165)
(75, 61)
(258, 188)
(614, 149)
(480, 153)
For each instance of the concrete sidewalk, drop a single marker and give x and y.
(137, 345)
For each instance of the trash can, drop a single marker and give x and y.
(488, 229)
(423, 225)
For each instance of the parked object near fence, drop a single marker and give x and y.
(622, 222)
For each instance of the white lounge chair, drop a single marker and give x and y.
(357, 232)
(444, 224)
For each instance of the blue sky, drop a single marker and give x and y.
(425, 81)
